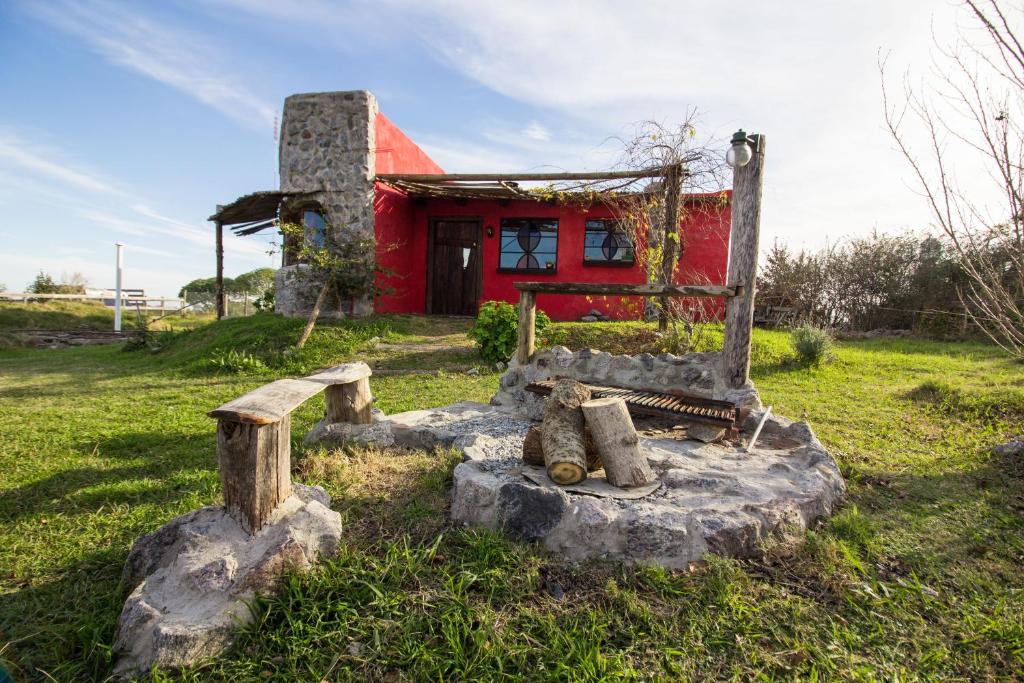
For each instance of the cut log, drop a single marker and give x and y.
(351, 402)
(625, 464)
(254, 465)
(533, 449)
(565, 455)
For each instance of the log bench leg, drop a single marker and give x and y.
(255, 463)
(350, 402)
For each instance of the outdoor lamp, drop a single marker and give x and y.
(741, 152)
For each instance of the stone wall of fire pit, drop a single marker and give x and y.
(699, 374)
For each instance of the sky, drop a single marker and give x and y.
(130, 121)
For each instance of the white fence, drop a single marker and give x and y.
(128, 302)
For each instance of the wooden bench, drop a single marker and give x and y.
(254, 436)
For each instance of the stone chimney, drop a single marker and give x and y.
(328, 148)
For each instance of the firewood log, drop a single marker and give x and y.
(533, 449)
(625, 464)
(565, 455)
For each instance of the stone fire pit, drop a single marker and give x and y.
(711, 498)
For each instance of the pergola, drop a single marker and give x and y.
(245, 216)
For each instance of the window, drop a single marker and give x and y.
(605, 243)
(316, 228)
(529, 244)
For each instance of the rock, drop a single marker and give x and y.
(1009, 449)
(341, 433)
(713, 498)
(191, 579)
(473, 371)
(704, 432)
(589, 319)
(698, 374)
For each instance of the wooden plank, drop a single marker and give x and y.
(625, 289)
(342, 374)
(434, 178)
(270, 403)
(254, 462)
(527, 318)
(743, 247)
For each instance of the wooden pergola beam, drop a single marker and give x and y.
(435, 178)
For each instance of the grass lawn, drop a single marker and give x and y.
(918, 577)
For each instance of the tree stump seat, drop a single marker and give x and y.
(254, 436)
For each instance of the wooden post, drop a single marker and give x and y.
(254, 463)
(350, 402)
(527, 319)
(220, 270)
(673, 188)
(743, 246)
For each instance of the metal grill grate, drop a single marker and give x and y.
(710, 411)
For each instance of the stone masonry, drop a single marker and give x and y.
(699, 374)
(327, 149)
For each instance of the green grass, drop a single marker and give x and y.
(59, 315)
(918, 577)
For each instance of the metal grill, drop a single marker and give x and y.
(692, 408)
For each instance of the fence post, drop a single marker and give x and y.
(527, 319)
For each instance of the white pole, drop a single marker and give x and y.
(117, 293)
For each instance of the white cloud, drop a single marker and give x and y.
(165, 53)
(536, 131)
(803, 73)
(26, 157)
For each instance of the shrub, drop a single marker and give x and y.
(813, 345)
(496, 329)
(238, 362)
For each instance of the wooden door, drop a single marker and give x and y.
(454, 266)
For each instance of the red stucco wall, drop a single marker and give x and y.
(706, 237)
(393, 229)
(401, 234)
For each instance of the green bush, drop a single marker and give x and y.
(238, 362)
(496, 329)
(812, 345)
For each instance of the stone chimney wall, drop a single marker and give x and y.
(328, 148)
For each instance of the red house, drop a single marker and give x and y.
(446, 243)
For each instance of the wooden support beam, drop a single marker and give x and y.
(499, 177)
(670, 244)
(744, 242)
(254, 462)
(625, 289)
(527, 318)
(220, 268)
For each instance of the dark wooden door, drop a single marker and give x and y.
(454, 266)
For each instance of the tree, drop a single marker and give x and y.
(345, 268)
(974, 113)
(650, 212)
(688, 166)
(45, 284)
(254, 282)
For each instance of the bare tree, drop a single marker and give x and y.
(690, 166)
(973, 110)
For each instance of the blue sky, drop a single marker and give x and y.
(130, 121)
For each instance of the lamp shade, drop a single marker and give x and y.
(739, 153)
